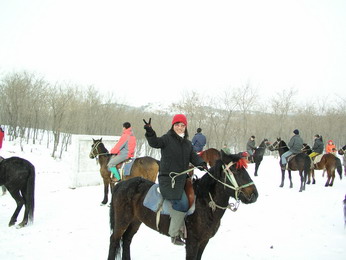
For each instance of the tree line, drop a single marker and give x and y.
(33, 109)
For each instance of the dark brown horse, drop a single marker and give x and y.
(300, 162)
(210, 156)
(258, 154)
(228, 178)
(18, 176)
(146, 167)
(330, 163)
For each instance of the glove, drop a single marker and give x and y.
(147, 126)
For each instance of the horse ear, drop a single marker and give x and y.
(101, 139)
(222, 154)
(93, 140)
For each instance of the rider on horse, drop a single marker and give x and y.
(250, 147)
(295, 146)
(176, 155)
(317, 148)
(123, 150)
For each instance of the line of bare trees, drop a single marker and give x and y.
(32, 108)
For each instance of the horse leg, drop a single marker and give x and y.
(195, 248)
(105, 192)
(256, 167)
(290, 178)
(282, 178)
(329, 174)
(302, 181)
(20, 202)
(332, 179)
(309, 176)
(127, 239)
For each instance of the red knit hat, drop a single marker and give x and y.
(179, 118)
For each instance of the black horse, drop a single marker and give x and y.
(18, 176)
(228, 178)
(300, 162)
(258, 154)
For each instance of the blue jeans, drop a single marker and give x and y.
(182, 204)
(284, 157)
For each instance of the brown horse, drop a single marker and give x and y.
(228, 178)
(146, 167)
(210, 156)
(330, 163)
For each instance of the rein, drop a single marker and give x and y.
(230, 176)
(95, 149)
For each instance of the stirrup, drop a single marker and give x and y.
(177, 241)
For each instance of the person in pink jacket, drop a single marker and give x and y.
(123, 149)
(2, 134)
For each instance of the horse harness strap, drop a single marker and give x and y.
(235, 187)
(95, 148)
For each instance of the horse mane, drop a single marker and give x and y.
(103, 148)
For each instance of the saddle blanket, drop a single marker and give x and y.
(126, 167)
(153, 201)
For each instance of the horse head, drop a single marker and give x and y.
(97, 148)
(237, 179)
(341, 151)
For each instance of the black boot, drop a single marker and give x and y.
(177, 241)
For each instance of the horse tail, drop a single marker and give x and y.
(338, 166)
(30, 194)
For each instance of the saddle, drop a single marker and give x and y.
(124, 168)
(155, 202)
(315, 160)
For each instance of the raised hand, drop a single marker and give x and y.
(147, 125)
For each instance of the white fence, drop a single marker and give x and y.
(86, 171)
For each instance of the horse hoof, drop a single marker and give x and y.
(314, 182)
(308, 182)
(281, 185)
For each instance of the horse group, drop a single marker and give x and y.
(302, 163)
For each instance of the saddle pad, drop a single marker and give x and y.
(153, 201)
(318, 158)
(126, 167)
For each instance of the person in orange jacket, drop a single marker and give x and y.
(123, 149)
(330, 147)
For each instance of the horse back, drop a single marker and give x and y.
(145, 167)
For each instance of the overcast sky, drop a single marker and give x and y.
(151, 51)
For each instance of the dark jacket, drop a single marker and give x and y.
(198, 142)
(176, 154)
(296, 144)
(318, 146)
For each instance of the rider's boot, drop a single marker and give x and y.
(115, 174)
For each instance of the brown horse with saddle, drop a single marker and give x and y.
(145, 167)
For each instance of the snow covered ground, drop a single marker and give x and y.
(71, 224)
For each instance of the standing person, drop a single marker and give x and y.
(123, 149)
(317, 148)
(198, 141)
(250, 147)
(2, 135)
(330, 147)
(176, 154)
(295, 146)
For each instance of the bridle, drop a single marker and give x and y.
(94, 151)
(228, 175)
(237, 189)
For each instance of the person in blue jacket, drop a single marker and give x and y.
(199, 141)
